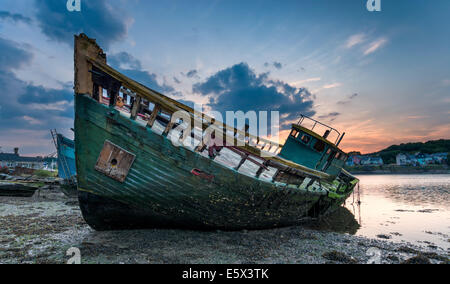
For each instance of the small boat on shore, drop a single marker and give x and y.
(67, 172)
(131, 174)
(17, 189)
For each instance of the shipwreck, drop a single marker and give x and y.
(65, 149)
(130, 174)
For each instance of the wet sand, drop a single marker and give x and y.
(41, 229)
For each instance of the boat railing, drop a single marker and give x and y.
(316, 126)
(141, 96)
(250, 147)
(120, 90)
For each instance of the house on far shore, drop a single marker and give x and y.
(372, 161)
(440, 158)
(13, 160)
(420, 159)
(403, 159)
(362, 160)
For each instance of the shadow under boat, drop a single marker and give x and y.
(341, 221)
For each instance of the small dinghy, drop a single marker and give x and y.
(17, 189)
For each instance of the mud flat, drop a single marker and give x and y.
(42, 228)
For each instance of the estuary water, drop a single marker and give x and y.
(404, 208)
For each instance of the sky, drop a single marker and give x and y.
(381, 77)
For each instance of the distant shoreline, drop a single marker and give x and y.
(403, 170)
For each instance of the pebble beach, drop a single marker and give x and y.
(42, 228)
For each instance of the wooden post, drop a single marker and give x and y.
(203, 143)
(85, 47)
(96, 92)
(168, 127)
(182, 139)
(112, 97)
(153, 116)
(125, 98)
(135, 107)
(244, 158)
(276, 175)
(261, 170)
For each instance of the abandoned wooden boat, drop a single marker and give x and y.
(131, 175)
(67, 172)
(17, 189)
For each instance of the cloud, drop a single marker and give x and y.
(12, 57)
(375, 45)
(41, 95)
(175, 79)
(5, 15)
(275, 64)
(331, 86)
(192, 73)
(132, 67)
(446, 82)
(124, 60)
(353, 96)
(315, 79)
(355, 40)
(188, 103)
(240, 88)
(98, 19)
(347, 101)
(26, 108)
(332, 115)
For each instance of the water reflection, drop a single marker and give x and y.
(405, 208)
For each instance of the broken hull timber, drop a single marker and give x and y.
(160, 189)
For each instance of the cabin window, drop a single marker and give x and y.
(344, 157)
(338, 156)
(329, 151)
(319, 146)
(305, 138)
(294, 133)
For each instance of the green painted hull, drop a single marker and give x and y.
(160, 190)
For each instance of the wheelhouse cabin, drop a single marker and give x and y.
(320, 152)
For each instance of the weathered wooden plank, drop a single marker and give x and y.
(168, 128)
(241, 162)
(154, 115)
(114, 161)
(135, 107)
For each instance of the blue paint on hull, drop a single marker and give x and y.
(66, 158)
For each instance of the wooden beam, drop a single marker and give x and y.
(135, 107)
(173, 106)
(260, 171)
(154, 115)
(153, 96)
(168, 128)
(241, 162)
(112, 97)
